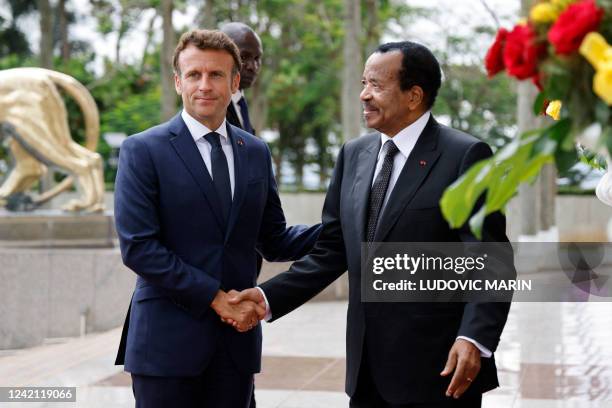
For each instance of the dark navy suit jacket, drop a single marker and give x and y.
(168, 219)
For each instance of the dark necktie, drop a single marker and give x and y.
(379, 189)
(220, 173)
(244, 112)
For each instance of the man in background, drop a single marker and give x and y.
(249, 44)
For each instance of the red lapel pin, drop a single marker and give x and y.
(422, 163)
(240, 142)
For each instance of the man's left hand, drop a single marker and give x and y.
(464, 360)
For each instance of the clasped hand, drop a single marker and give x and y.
(242, 310)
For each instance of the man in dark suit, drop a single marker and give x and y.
(251, 51)
(194, 198)
(386, 187)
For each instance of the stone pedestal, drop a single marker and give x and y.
(57, 292)
(56, 229)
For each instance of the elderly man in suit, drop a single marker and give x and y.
(386, 187)
(195, 197)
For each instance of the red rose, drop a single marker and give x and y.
(573, 24)
(494, 62)
(521, 52)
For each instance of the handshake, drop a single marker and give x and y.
(243, 310)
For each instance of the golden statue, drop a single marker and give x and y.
(34, 117)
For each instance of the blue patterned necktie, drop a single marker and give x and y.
(379, 189)
(220, 173)
(244, 112)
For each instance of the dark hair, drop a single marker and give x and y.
(207, 40)
(419, 67)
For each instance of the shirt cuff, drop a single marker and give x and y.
(484, 352)
(268, 315)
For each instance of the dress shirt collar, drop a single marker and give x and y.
(237, 96)
(408, 136)
(198, 130)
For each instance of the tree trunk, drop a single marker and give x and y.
(149, 38)
(258, 106)
(46, 34)
(528, 193)
(63, 31)
(168, 105)
(373, 26)
(351, 72)
(207, 15)
(537, 201)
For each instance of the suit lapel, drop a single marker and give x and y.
(185, 147)
(420, 162)
(366, 164)
(240, 176)
(232, 116)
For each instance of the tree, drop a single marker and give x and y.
(168, 100)
(351, 71)
(46, 34)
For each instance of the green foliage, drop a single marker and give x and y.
(498, 177)
(303, 86)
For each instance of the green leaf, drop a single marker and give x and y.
(460, 197)
(476, 222)
(559, 131)
(564, 159)
(538, 104)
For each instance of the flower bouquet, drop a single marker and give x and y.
(564, 48)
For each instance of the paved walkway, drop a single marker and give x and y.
(551, 355)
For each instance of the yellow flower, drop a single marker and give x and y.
(544, 13)
(554, 109)
(602, 82)
(595, 49)
(599, 53)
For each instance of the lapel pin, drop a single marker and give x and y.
(240, 142)
(422, 163)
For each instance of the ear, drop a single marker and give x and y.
(235, 82)
(177, 84)
(416, 98)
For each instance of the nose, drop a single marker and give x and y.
(204, 84)
(252, 65)
(365, 95)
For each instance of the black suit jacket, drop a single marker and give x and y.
(232, 117)
(407, 343)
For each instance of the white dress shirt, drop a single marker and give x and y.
(198, 131)
(405, 141)
(236, 97)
